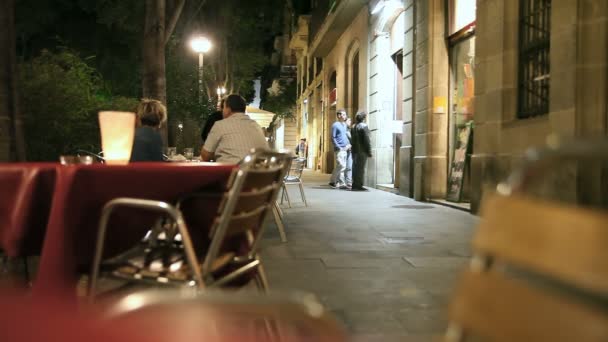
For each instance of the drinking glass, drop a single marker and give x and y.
(189, 153)
(73, 160)
(171, 152)
(117, 132)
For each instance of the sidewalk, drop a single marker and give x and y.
(383, 263)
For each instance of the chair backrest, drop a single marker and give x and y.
(240, 216)
(25, 196)
(221, 316)
(296, 168)
(539, 271)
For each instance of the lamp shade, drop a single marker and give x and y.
(117, 131)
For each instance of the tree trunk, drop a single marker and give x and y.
(12, 143)
(156, 35)
(153, 80)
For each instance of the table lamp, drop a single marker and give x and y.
(117, 131)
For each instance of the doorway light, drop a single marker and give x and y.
(379, 6)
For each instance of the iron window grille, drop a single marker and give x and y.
(534, 64)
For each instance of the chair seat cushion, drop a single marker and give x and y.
(166, 264)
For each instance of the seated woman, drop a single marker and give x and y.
(147, 143)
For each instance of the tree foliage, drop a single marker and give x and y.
(281, 98)
(61, 96)
(107, 32)
(93, 52)
(243, 33)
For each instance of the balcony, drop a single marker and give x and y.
(340, 15)
(299, 38)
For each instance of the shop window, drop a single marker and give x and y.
(310, 72)
(462, 14)
(398, 59)
(534, 64)
(355, 84)
(319, 62)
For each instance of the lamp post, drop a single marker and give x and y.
(200, 45)
(220, 91)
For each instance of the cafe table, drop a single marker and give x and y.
(81, 191)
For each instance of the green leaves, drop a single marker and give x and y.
(60, 98)
(281, 98)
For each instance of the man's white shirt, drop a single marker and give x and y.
(233, 138)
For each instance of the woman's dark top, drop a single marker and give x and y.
(216, 116)
(147, 145)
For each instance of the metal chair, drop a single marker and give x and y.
(277, 213)
(540, 268)
(222, 316)
(227, 241)
(294, 177)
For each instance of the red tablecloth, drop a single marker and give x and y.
(82, 191)
(26, 190)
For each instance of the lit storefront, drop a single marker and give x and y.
(461, 39)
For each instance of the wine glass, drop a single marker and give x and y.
(189, 153)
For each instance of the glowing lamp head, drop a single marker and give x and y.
(200, 44)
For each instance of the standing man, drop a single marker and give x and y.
(232, 138)
(341, 146)
(362, 149)
(348, 172)
(302, 149)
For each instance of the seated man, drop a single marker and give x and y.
(232, 138)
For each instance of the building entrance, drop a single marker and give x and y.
(462, 110)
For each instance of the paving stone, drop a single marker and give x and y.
(381, 266)
(455, 262)
(359, 262)
(373, 322)
(423, 320)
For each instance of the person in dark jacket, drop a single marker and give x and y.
(147, 143)
(362, 149)
(211, 120)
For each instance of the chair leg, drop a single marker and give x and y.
(283, 190)
(286, 195)
(261, 278)
(302, 193)
(279, 210)
(279, 221)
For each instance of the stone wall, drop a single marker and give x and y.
(353, 39)
(431, 81)
(406, 153)
(578, 88)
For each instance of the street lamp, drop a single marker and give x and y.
(220, 91)
(200, 45)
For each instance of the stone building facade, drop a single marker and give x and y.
(499, 75)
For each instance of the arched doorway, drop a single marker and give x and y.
(387, 108)
(352, 79)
